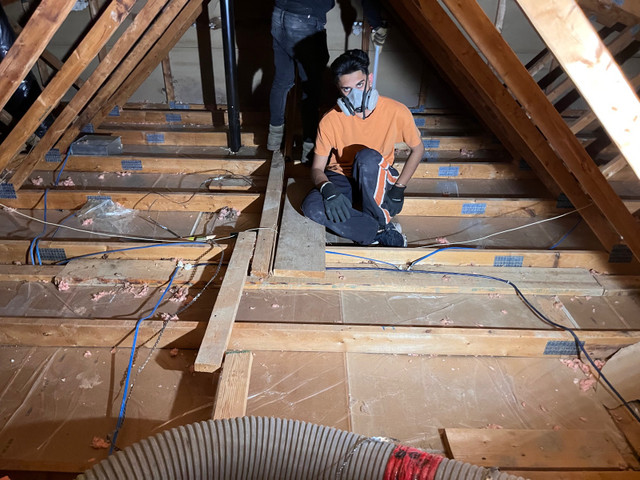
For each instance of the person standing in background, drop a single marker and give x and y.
(300, 40)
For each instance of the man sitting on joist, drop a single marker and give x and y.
(354, 155)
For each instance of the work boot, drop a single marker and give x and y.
(307, 152)
(274, 140)
(390, 236)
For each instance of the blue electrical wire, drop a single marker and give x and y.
(539, 314)
(123, 404)
(64, 164)
(566, 234)
(34, 245)
(437, 251)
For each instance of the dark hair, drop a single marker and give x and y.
(350, 61)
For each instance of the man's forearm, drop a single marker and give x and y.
(411, 164)
(318, 177)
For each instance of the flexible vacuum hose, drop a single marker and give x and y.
(276, 449)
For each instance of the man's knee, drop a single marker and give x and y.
(366, 161)
(313, 208)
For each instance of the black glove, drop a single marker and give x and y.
(336, 205)
(394, 199)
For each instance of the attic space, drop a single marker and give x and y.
(173, 304)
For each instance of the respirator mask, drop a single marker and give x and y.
(357, 101)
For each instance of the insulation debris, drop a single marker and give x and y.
(228, 213)
(168, 317)
(99, 442)
(179, 295)
(63, 285)
(174, 352)
(67, 182)
(585, 384)
(137, 293)
(37, 181)
(87, 221)
(97, 296)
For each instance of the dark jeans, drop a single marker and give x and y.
(372, 179)
(298, 40)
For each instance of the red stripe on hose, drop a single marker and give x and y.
(408, 463)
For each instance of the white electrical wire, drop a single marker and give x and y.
(113, 235)
(495, 234)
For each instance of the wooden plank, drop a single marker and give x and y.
(30, 43)
(458, 59)
(301, 241)
(544, 115)
(481, 257)
(113, 15)
(233, 386)
(29, 273)
(172, 165)
(16, 250)
(139, 25)
(186, 202)
(414, 340)
(538, 281)
(294, 337)
(569, 34)
(94, 11)
(153, 273)
(619, 284)
(168, 80)
(266, 242)
(218, 333)
(613, 166)
(621, 41)
(154, 137)
(622, 371)
(514, 449)
(149, 118)
(166, 27)
(490, 207)
(179, 117)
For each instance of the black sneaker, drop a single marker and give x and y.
(390, 236)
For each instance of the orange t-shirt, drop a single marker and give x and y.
(389, 123)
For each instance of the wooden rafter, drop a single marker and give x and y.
(546, 118)
(162, 35)
(31, 42)
(88, 90)
(79, 59)
(442, 40)
(94, 11)
(569, 34)
(168, 80)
